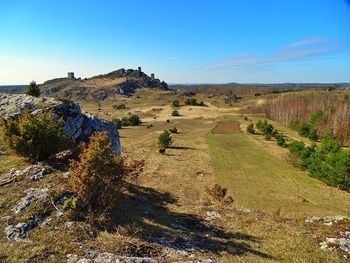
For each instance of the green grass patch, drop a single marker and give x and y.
(8, 162)
(258, 180)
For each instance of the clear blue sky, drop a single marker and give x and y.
(181, 41)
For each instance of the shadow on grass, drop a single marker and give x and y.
(181, 148)
(147, 209)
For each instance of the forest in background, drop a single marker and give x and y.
(323, 110)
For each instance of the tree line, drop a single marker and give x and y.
(327, 161)
(312, 113)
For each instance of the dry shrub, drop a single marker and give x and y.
(96, 177)
(219, 194)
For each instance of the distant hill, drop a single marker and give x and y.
(13, 88)
(284, 86)
(254, 88)
(101, 87)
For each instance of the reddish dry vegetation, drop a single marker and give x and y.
(229, 90)
(226, 127)
(286, 108)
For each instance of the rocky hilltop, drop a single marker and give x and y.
(78, 126)
(101, 87)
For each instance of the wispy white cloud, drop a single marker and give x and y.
(308, 41)
(302, 50)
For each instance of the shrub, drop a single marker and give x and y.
(96, 177)
(121, 106)
(33, 89)
(117, 122)
(174, 130)
(330, 163)
(164, 140)
(125, 121)
(70, 204)
(191, 101)
(280, 140)
(259, 124)
(167, 120)
(149, 126)
(304, 130)
(313, 136)
(296, 147)
(175, 113)
(250, 128)
(218, 193)
(35, 138)
(135, 120)
(176, 103)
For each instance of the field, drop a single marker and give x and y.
(211, 148)
(169, 204)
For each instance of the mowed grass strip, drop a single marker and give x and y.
(258, 180)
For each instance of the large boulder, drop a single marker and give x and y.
(78, 126)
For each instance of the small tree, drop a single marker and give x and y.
(35, 138)
(118, 123)
(135, 120)
(121, 106)
(250, 128)
(96, 177)
(304, 130)
(164, 140)
(280, 140)
(313, 136)
(175, 113)
(33, 89)
(176, 103)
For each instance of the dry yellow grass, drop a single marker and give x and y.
(171, 191)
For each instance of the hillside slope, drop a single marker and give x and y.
(101, 87)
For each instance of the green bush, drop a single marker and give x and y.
(70, 204)
(194, 102)
(135, 120)
(304, 130)
(191, 101)
(176, 103)
(125, 121)
(35, 138)
(250, 128)
(330, 163)
(296, 147)
(175, 113)
(267, 129)
(313, 136)
(33, 89)
(121, 106)
(117, 122)
(280, 140)
(164, 140)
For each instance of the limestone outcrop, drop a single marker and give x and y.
(78, 126)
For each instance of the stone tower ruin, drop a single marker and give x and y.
(71, 75)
